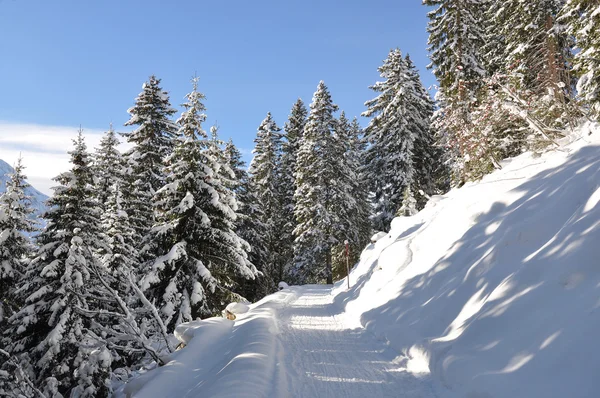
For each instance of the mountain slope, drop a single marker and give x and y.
(38, 199)
(493, 290)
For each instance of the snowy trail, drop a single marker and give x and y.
(325, 357)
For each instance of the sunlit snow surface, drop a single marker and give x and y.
(493, 290)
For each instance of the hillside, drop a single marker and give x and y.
(493, 290)
(38, 199)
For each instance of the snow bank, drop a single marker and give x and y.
(216, 349)
(494, 288)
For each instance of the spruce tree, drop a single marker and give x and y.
(294, 128)
(51, 333)
(153, 141)
(360, 193)
(430, 173)
(16, 226)
(249, 225)
(108, 166)
(392, 132)
(264, 177)
(200, 256)
(313, 196)
(455, 39)
(349, 202)
(582, 18)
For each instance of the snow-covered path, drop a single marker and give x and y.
(324, 356)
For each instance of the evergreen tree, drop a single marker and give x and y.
(294, 128)
(349, 195)
(200, 254)
(430, 173)
(394, 128)
(108, 166)
(50, 333)
(15, 247)
(536, 48)
(152, 141)
(582, 18)
(313, 196)
(455, 37)
(360, 192)
(263, 172)
(249, 225)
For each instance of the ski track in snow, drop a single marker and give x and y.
(324, 357)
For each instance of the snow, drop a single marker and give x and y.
(237, 308)
(490, 291)
(282, 285)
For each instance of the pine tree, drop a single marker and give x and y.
(391, 133)
(360, 192)
(582, 18)
(50, 333)
(16, 226)
(108, 166)
(249, 225)
(264, 177)
(349, 202)
(314, 231)
(536, 49)
(294, 129)
(455, 37)
(430, 173)
(152, 141)
(200, 255)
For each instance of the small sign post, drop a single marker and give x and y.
(347, 262)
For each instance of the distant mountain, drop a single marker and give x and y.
(38, 199)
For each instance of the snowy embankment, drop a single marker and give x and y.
(493, 290)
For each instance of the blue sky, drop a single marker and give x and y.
(67, 63)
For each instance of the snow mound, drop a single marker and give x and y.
(282, 285)
(378, 236)
(237, 308)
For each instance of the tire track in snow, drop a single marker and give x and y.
(324, 358)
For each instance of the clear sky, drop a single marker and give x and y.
(65, 63)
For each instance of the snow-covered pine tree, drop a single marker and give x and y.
(226, 183)
(264, 178)
(294, 128)
(535, 57)
(16, 226)
(360, 192)
(108, 166)
(430, 173)
(349, 199)
(153, 141)
(200, 255)
(391, 133)
(582, 18)
(455, 39)
(49, 334)
(315, 220)
(248, 224)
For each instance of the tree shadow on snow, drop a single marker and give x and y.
(514, 305)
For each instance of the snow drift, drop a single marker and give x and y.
(493, 290)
